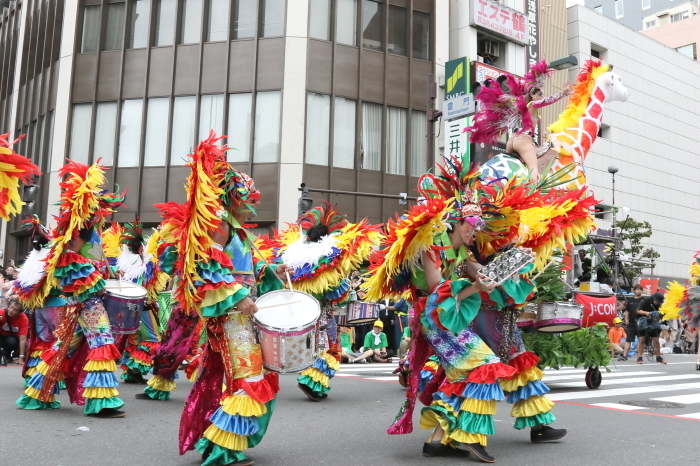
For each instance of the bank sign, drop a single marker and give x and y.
(456, 78)
(497, 18)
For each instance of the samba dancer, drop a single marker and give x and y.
(322, 248)
(138, 263)
(74, 271)
(210, 253)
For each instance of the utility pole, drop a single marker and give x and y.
(432, 115)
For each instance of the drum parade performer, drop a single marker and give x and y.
(138, 263)
(210, 253)
(464, 218)
(74, 271)
(322, 248)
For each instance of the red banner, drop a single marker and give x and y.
(650, 284)
(596, 310)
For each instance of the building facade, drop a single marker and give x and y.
(632, 13)
(653, 138)
(330, 93)
(683, 36)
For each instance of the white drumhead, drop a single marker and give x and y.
(287, 310)
(125, 289)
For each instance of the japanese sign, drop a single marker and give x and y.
(456, 139)
(456, 77)
(483, 72)
(498, 18)
(458, 107)
(597, 310)
(533, 46)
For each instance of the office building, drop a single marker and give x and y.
(682, 35)
(634, 13)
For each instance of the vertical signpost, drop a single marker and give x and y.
(457, 78)
(533, 46)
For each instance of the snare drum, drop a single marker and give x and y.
(362, 313)
(559, 317)
(124, 302)
(286, 325)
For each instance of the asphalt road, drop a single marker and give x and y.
(349, 428)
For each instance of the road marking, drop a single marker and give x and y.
(684, 399)
(690, 416)
(617, 406)
(580, 395)
(623, 381)
(547, 378)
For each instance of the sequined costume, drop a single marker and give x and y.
(212, 281)
(74, 270)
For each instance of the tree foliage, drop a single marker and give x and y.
(632, 233)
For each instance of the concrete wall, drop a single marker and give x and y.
(633, 12)
(654, 137)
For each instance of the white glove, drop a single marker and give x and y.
(382, 307)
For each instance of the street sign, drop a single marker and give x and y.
(456, 77)
(458, 107)
(457, 140)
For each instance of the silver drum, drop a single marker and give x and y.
(559, 317)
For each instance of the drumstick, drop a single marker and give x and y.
(542, 271)
(289, 282)
(279, 304)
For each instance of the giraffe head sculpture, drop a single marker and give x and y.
(611, 85)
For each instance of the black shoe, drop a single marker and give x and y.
(438, 449)
(143, 396)
(109, 413)
(3, 362)
(134, 377)
(479, 451)
(309, 393)
(660, 360)
(546, 434)
(207, 451)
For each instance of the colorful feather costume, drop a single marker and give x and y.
(111, 242)
(683, 301)
(13, 169)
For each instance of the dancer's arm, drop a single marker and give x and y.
(568, 90)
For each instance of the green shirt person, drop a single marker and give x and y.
(375, 344)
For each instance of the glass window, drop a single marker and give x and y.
(245, 18)
(344, 133)
(182, 139)
(398, 22)
(273, 18)
(346, 22)
(80, 133)
(239, 125)
(599, 9)
(105, 132)
(267, 126)
(41, 144)
(421, 35)
(114, 35)
(211, 115)
(371, 136)
(191, 21)
(91, 29)
(687, 50)
(138, 27)
(318, 121)
(396, 140)
(217, 24)
(155, 151)
(680, 16)
(619, 9)
(372, 21)
(650, 24)
(646, 4)
(130, 133)
(419, 143)
(320, 19)
(165, 22)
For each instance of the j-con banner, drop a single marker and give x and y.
(596, 310)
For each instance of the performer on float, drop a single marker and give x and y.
(517, 111)
(322, 249)
(138, 263)
(210, 253)
(74, 270)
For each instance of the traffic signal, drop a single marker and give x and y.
(29, 195)
(305, 202)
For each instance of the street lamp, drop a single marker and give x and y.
(564, 63)
(612, 169)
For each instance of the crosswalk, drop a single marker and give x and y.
(653, 387)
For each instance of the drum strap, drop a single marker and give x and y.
(63, 334)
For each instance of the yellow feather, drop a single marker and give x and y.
(671, 309)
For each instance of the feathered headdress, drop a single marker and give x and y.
(38, 232)
(13, 169)
(325, 215)
(239, 190)
(111, 242)
(84, 202)
(132, 236)
(453, 182)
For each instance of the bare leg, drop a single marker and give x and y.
(625, 348)
(640, 347)
(365, 355)
(522, 144)
(657, 347)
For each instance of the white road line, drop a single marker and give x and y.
(618, 406)
(581, 395)
(690, 416)
(685, 399)
(623, 381)
(547, 379)
(383, 378)
(367, 369)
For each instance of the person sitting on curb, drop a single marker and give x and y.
(346, 355)
(616, 335)
(375, 344)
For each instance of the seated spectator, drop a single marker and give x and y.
(14, 327)
(375, 345)
(346, 354)
(616, 334)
